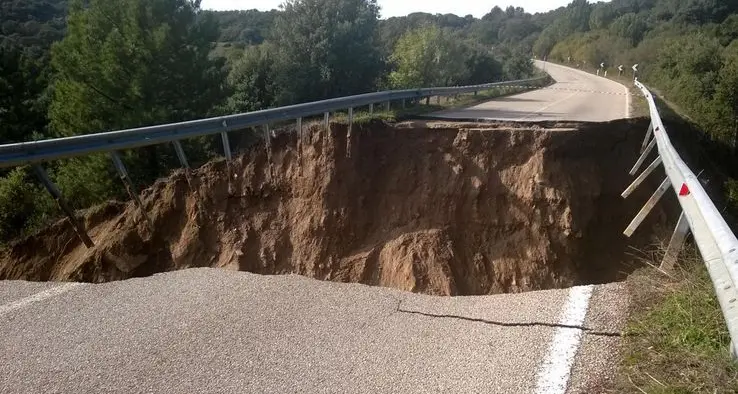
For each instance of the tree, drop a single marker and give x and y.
(326, 48)
(22, 109)
(631, 27)
(428, 57)
(726, 95)
(132, 63)
(252, 80)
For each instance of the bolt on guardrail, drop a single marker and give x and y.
(716, 242)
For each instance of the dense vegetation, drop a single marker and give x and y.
(82, 66)
(686, 49)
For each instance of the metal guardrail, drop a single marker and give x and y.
(716, 242)
(37, 152)
(59, 148)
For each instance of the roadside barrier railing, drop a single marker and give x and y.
(716, 242)
(35, 153)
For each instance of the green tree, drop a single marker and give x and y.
(726, 94)
(132, 63)
(252, 80)
(126, 64)
(22, 108)
(427, 57)
(23, 205)
(326, 48)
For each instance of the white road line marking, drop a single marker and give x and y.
(554, 372)
(38, 297)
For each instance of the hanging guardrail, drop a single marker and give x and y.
(716, 242)
(35, 153)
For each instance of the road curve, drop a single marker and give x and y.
(210, 330)
(576, 96)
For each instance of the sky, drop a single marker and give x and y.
(390, 8)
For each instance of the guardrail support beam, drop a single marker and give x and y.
(649, 133)
(371, 109)
(130, 187)
(326, 120)
(647, 208)
(226, 145)
(78, 227)
(643, 157)
(181, 154)
(387, 106)
(675, 244)
(299, 129)
(641, 178)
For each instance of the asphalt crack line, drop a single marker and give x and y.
(38, 297)
(585, 330)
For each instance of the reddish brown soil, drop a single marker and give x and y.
(431, 207)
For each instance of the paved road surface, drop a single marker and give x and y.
(576, 95)
(208, 330)
(228, 332)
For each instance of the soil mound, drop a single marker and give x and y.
(431, 207)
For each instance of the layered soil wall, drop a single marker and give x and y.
(431, 207)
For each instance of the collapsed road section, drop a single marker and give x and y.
(433, 207)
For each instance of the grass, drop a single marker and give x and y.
(676, 340)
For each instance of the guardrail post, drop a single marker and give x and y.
(403, 104)
(676, 243)
(350, 130)
(427, 100)
(326, 120)
(298, 128)
(649, 133)
(387, 106)
(130, 187)
(56, 194)
(181, 154)
(647, 208)
(268, 145)
(371, 109)
(641, 178)
(641, 159)
(226, 145)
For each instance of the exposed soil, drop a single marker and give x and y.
(431, 207)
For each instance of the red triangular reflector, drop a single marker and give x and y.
(684, 191)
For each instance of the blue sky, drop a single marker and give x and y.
(403, 7)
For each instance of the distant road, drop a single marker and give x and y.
(217, 331)
(576, 95)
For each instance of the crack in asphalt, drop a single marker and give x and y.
(585, 330)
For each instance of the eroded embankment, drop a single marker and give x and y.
(438, 208)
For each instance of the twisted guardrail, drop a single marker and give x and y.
(716, 242)
(37, 152)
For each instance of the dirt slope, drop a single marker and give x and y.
(445, 209)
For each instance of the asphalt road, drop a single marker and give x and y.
(576, 95)
(208, 330)
(219, 331)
